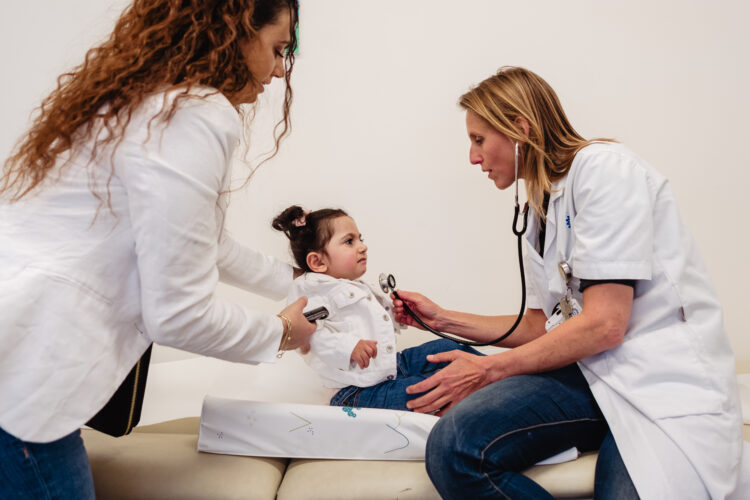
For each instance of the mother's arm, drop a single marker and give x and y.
(600, 326)
(251, 270)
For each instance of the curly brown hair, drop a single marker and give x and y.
(156, 44)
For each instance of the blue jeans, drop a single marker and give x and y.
(479, 447)
(412, 367)
(59, 469)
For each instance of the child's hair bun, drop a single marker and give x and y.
(307, 231)
(285, 221)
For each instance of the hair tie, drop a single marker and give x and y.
(301, 221)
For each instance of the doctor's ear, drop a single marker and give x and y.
(523, 124)
(315, 262)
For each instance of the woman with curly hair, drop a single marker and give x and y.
(111, 225)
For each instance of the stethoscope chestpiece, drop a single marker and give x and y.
(387, 283)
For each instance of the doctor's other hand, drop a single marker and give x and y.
(465, 374)
(427, 310)
(301, 329)
(363, 351)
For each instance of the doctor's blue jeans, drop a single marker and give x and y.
(44, 471)
(479, 447)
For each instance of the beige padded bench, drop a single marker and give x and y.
(162, 461)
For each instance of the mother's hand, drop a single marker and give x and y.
(301, 329)
(465, 374)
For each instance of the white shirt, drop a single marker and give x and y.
(83, 293)
(669, 390)
(357, 312)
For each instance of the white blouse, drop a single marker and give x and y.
(86, 287)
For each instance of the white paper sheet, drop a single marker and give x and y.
(311, 431)
(267, 429)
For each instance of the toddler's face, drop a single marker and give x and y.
(346, 254)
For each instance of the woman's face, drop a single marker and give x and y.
(264, 56)
(490, 149)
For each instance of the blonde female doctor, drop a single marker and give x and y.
(640, 369)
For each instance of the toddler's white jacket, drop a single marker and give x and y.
(357, 311)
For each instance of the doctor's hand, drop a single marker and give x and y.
(363, 351)
(423, 307)
(301, 329)
(465, 374)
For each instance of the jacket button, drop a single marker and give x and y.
(389, 348)
(351, 294)
(390, 377)
(386, 317)
(387, 308)
(369, 297)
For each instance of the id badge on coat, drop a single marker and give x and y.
(568, 306)
(558, 317)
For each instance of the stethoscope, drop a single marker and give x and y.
(388, 283)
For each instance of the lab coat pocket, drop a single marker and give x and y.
(77, 285)
(661, 374)
(48, 299)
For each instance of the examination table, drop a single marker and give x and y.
(161, 461)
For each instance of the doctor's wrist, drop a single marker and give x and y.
(498, 366)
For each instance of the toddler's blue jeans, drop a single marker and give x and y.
(412, 367)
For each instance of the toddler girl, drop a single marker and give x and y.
(354, 348)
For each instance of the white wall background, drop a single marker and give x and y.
(377, 130)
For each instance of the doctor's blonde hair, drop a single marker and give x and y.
(552, 142)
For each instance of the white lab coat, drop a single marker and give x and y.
(669, 390)
(357, 312)
(81, 297)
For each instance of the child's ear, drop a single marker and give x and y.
(315, 262)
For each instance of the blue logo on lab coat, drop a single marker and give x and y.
(567, 221)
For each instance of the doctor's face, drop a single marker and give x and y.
(491, 150)
(264, 56)
(345, 255)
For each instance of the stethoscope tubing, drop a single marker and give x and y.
(519, 234)
(391, 282)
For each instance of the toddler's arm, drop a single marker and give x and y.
(363, 351)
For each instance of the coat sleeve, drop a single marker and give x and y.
(253, 271)
(332, 342)
(613, 224)
(173, 175)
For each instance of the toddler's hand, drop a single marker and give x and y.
(363, 351)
